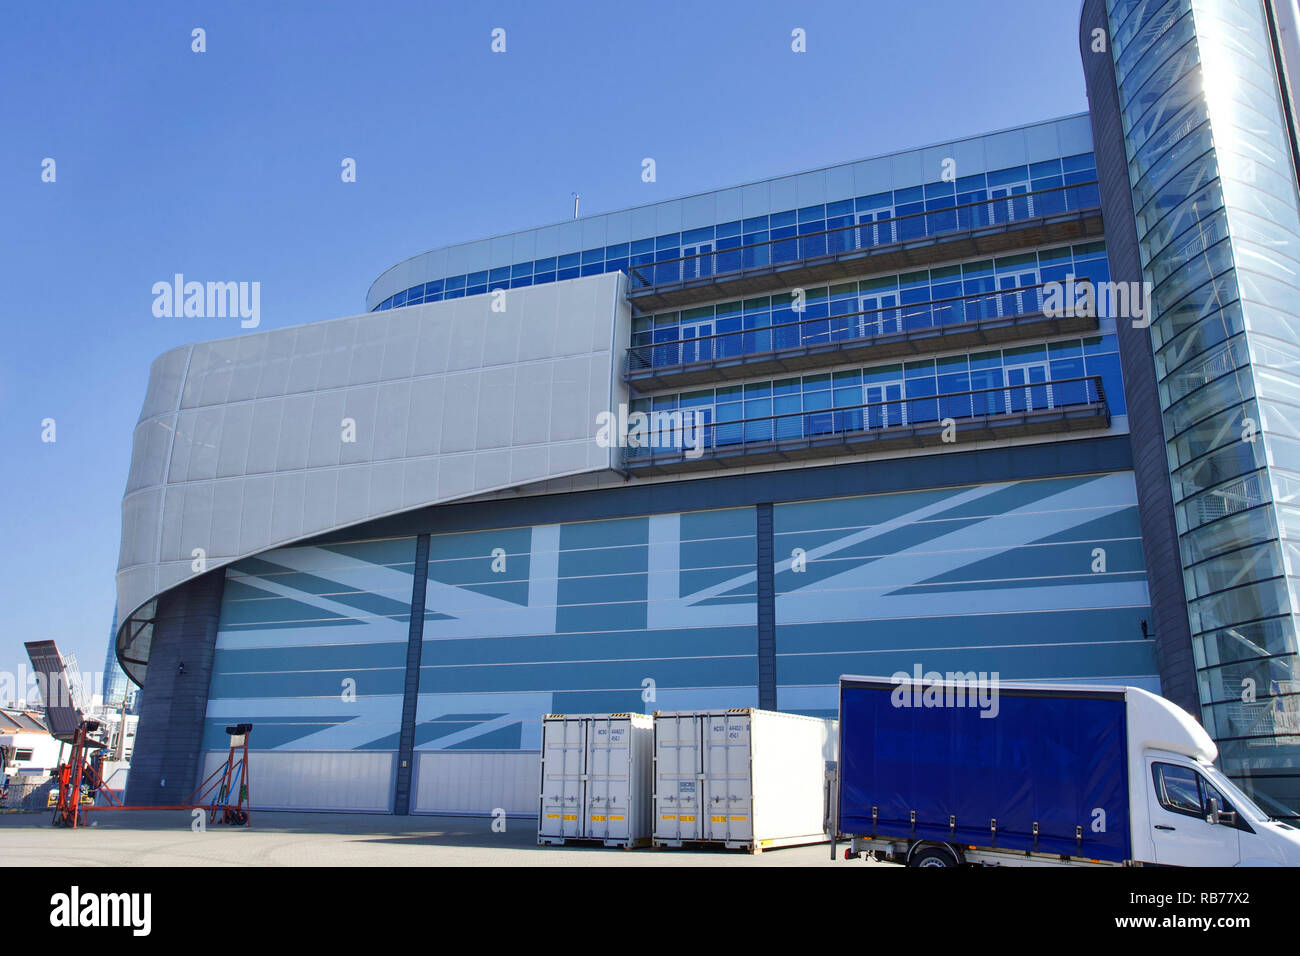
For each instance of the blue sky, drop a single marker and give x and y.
(225, 165)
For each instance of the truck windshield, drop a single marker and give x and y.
(1230, 790)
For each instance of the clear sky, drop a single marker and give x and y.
(225, 165)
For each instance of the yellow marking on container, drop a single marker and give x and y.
(686, 819)
(552, 816)
(612, 819)
(598, 819)
(570, 816)
(742, 819)
(717, 819)
(764, 842)
(668, 816)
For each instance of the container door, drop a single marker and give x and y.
(677, 777)
(609, 778)
(564, 746)
(728, 785)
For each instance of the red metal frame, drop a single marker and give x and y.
(212, 795)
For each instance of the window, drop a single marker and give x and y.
(1183, 790)
(22, 755)
(1177, 788)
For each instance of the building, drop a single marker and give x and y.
(719, 450)
(118, 689)
(26, 746)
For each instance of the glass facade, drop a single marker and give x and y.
(1001, 381)
(882, 305)
(116, 685)
(1218, 227)
(1001, 196)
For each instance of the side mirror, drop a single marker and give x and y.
(1219, 817)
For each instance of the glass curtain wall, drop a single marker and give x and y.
(1218, 225)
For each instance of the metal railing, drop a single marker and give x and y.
(670, 437)
(858, 327)
(855, 237)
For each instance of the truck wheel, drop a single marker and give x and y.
(932, 856)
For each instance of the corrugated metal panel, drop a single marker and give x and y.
(63, 713)
(596, 778)
(316, 780)
(477, 783)
(742, 777)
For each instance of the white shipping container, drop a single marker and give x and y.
(745, 778)
(596, 779)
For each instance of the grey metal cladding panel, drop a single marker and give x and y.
(273, 436)
(166, 375)
(1171, 630)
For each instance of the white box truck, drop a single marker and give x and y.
(946, 772)
(596, 779)
(743, 778)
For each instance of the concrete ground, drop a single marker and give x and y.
(153, 838)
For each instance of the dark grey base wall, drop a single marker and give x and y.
(1169, 625)
(165, 766)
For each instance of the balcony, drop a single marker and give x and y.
(896, 331)
(897, 243)
(674, 445)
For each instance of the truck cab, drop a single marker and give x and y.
(1185, 811)
(1198, 817)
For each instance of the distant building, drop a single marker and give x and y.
(25, 743)
(116, 683)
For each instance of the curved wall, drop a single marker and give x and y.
(254, 442)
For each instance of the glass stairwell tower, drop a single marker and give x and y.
(1195, 125)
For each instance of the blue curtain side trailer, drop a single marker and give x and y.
(948, 771)
(1036, 770)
